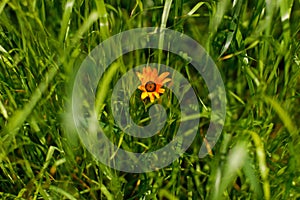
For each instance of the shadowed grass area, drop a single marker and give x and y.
(255, 45)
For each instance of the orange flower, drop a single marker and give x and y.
(151, 83)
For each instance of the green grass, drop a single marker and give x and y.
(255, 45)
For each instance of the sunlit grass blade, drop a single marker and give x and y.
(65, 23)
(16, 121)
(261, 157)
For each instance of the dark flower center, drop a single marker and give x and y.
(150, 86)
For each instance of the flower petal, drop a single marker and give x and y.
(142, 87)
(166, 80)
(156, 94)
(154, 75)
(151, 96)
(144, 95)
(148, 70)
(161, 90)
(139, 74)
(162, 77)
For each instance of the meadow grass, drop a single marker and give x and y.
(255, 45)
